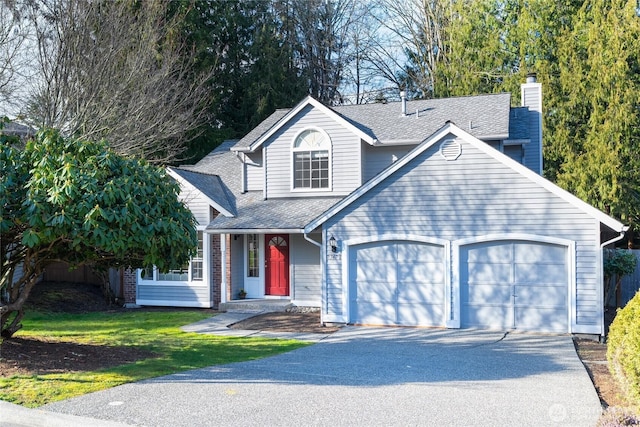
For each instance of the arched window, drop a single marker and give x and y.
(311, 160)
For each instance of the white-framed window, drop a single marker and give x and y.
(311, 160)
(193, 271)
(253, 255)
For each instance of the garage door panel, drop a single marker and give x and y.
(375, 291)
(542, 319)
(376, 271)
(489, 273)
(487, 294)
(380, 253)
(489, 253)
(416, 272)
(530, 273)
(488, 316)
(539, 253)
(375, 313)
(542, 296)
(415, 252)
(424, 293)
(413, 314)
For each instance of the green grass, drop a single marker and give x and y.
(154, 331)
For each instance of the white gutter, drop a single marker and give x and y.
(615, 239)
(310, 240)
(254, 230)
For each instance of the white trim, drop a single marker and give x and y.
(253, 282)
(394, 237)
(295, 110)
(174, 303)
(570, 245)
(223, 268)
(450, 128)
(264, 173)
(254, 230)
(305, 303)
(293, 150)
(209, 200)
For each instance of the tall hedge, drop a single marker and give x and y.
(623, 349)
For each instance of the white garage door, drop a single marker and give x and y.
(514, 285)
(397, 283)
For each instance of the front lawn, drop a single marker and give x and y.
(155, 335)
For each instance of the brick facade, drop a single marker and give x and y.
(129, 286)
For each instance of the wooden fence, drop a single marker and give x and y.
(630, 284)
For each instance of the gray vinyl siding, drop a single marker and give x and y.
(305, 269)
(472, 196)
(345, 156)
(254, 172)
(532, 98)
(177, 295)
(375, 158)
(198, 205)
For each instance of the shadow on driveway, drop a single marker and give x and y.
(371, 376)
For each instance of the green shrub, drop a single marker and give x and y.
(623, 349)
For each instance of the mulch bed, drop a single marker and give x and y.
(286, 322)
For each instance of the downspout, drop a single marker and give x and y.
(602, 246)
(223, 268)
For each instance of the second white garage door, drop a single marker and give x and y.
(514, 285)
(397, 283)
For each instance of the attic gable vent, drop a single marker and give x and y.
(450, 149)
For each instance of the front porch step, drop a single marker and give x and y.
(257, 305)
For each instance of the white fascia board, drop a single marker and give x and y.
(295, 110)
(451, 128)
(211, 202)
(254, 230)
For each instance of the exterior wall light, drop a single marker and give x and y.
(333, 244)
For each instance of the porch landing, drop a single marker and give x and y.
(256, 305)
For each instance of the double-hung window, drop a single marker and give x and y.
(311, 160)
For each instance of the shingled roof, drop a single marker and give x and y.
(484, 116)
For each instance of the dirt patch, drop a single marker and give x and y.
(31, 356)
(286, 322)
(594, 357)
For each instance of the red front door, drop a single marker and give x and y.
(276, 264)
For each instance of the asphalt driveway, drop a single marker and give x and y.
(373, 377)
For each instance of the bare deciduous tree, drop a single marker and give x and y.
(13, 37)
(119, 71)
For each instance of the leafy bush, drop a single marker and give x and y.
(623, 349)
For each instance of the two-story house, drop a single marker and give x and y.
(421, 213)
